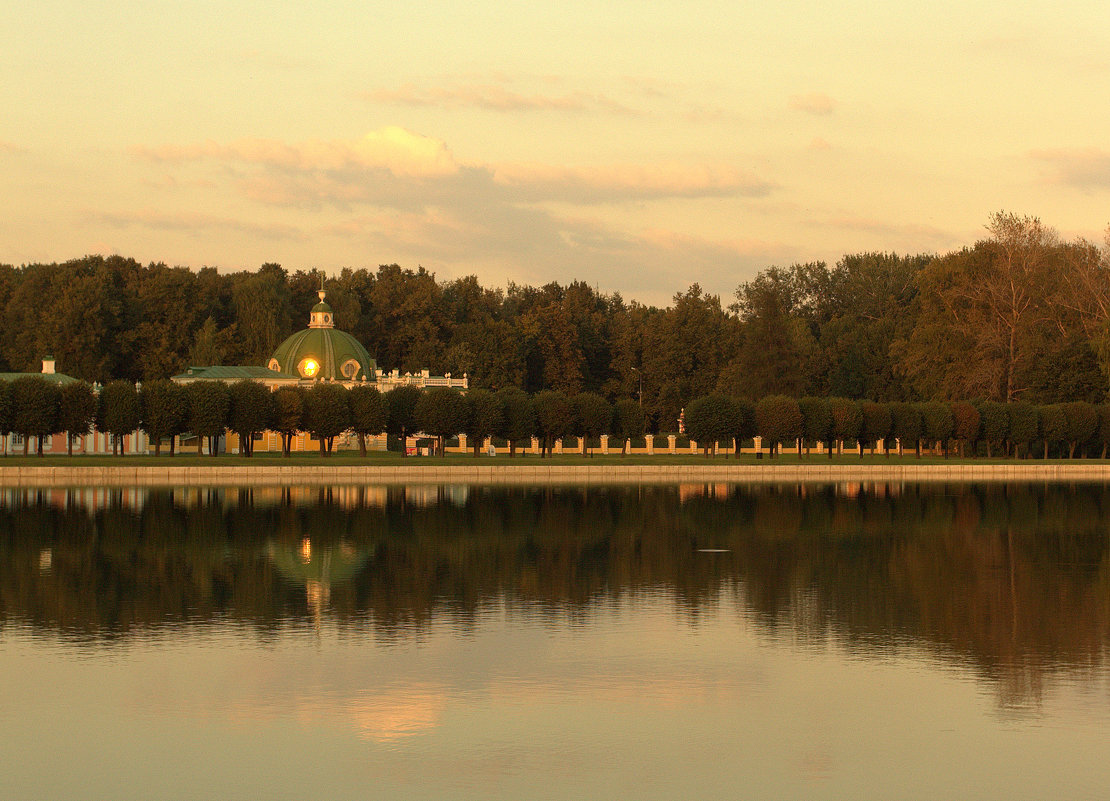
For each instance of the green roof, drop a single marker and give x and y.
(331, 349)
(220, 372)
(53, 378)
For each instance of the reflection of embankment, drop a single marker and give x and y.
(1011, 578)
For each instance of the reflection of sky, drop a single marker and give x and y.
(636, 702)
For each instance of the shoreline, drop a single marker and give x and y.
(249, 475)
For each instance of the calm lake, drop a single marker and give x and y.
(846, 641)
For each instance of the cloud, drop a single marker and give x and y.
(1082, 168)
(11, 147)
(818, 143)
(398, 196)
(491, 97)
(911, 231)
(629, 182)
(394, 149)
(814, 103)
(191, 222)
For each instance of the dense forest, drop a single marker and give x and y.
(1019, 315)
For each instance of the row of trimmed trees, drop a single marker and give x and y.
(34, 407)
(1001, 428)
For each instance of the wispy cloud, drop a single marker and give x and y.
(157, 220)
(494, 97)
(1082, 168)
(813, 103)
(629, 182)
(890, 230)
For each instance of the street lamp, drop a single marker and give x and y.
(640, 393)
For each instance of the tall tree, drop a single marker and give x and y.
(778, 347)
(981, 312)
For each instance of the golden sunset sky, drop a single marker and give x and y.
(639, 147)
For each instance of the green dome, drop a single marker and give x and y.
(322, 352)
(336, 354)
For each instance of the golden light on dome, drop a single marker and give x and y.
(309, 367)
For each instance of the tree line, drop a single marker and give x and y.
(33, 407)
(1022, 314)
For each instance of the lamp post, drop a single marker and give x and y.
(640, 392)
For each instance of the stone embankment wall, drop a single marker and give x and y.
(539, 474)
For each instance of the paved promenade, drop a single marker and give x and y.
(243, 475)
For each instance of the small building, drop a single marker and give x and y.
(94, 442)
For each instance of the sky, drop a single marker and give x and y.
(640, 148)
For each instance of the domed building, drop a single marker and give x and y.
(322, 352)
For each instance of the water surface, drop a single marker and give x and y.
(702, 641)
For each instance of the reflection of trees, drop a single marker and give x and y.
(1012, 578)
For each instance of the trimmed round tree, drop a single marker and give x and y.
(936, 417)
(77, 406)
(440, 412)
(1082, 424)
(367, 414)
(778, 419)
(906, 425)
(6, 414)
(327, 413)
(994, 424)
(742, 423)
(289, 402)
(119, 413)
(1103, 433)
(1025, 424)
(518, 419)
(1054, 425)
(163, 407)
(207, 411)
(34, 409)
(250, 412)
(400, 403)
(847, 421)
(877, 423)
(966, 424)
(554, 417)
(817, 424)
(593, 416)
(628, 421)
(710, 419)
(484, 417)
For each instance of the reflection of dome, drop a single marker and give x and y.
(322, 352)
(304, 564)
